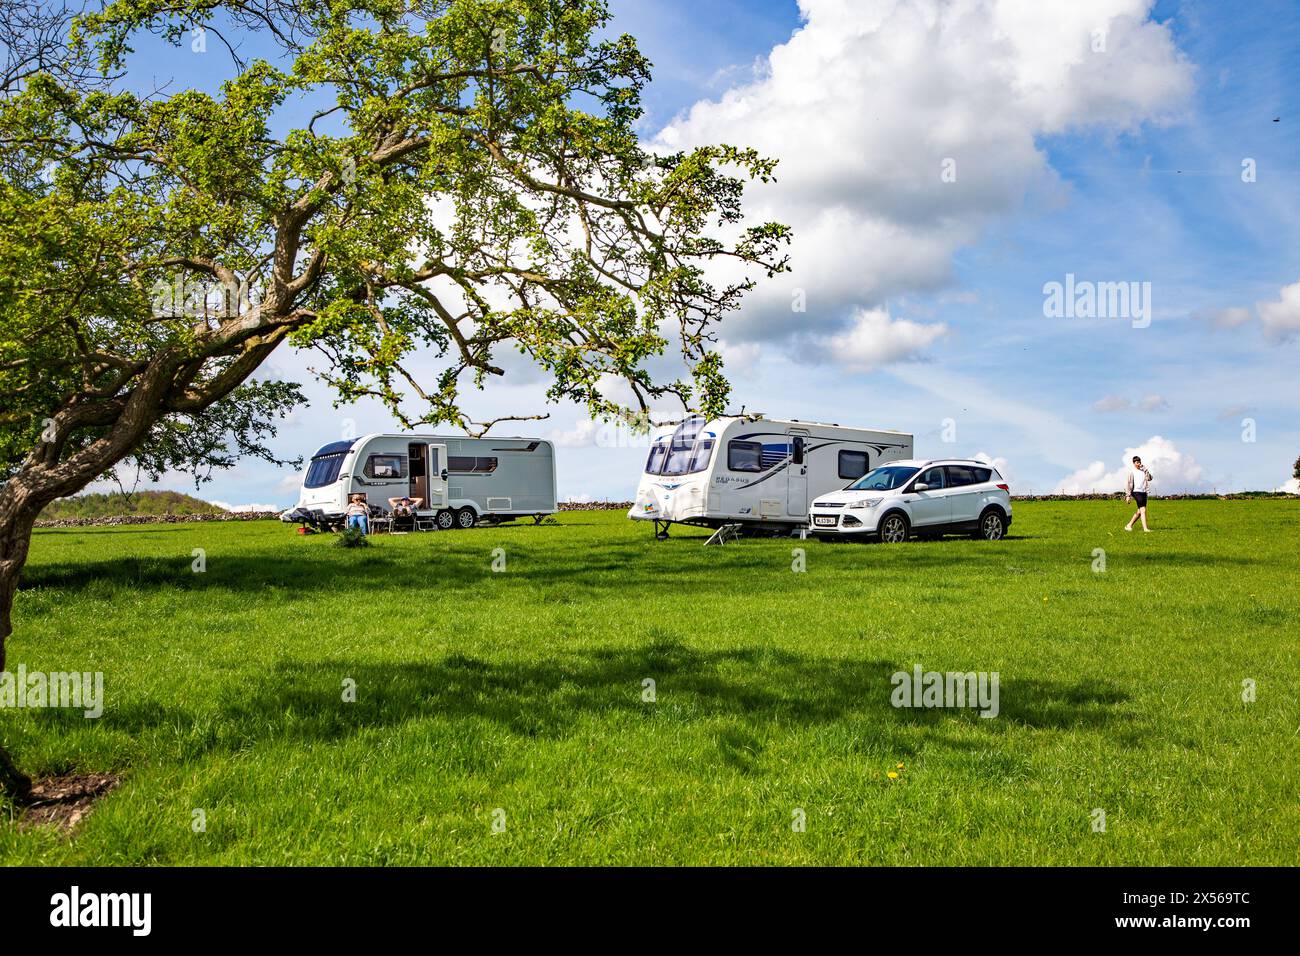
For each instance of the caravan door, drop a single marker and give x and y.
(427, 470)
(796, 495)
(437, 481)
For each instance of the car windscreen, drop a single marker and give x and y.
(886, 478)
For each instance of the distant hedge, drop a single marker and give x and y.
(156, 519)
(139, 503)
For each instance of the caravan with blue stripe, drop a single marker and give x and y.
(754, 471)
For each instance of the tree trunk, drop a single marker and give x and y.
(15, 535)
(13, 781)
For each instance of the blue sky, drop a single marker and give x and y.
(925, 298)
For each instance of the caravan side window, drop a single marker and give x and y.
(745, 455)
(386, 466)
(467, 465)
(854, 464)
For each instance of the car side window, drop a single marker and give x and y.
(982, 475)
(959, 475)
(932, 477)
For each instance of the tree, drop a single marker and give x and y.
(469, 180)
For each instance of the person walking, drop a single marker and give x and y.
(1139, 481)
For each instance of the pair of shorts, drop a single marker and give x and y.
(1141, 498)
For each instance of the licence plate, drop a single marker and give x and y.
(824, 521)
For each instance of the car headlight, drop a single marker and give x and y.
(865, 503)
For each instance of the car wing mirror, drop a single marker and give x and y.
(920, 486)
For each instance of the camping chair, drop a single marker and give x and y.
(409, 521)
(380, 520)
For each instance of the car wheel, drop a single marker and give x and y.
(466, 518)
(445, 519)
(993, 525)
(893, 528)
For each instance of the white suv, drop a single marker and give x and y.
(924, 498)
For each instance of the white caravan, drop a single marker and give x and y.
(459, 481)
(754, 471)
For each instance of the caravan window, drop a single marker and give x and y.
(745, 455)
(654, 465)
(466, 465)
(854, 464)
(701, 455)
(682, 447)
(386, 466)
(682, 453)
(324, 470)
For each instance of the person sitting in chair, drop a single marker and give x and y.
(358, 513)
(403, 511)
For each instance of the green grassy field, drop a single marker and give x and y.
(522, 692)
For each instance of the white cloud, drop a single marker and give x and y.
(868, 100)
(1291, 486)
(1280, 320)
(1112, 403)
(1001, 464)
(582, 434)
(876, 339)
(740, 360)
(1172, 470)
(1232, 317)
(1118, 403)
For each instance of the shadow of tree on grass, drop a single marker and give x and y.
(754, 690)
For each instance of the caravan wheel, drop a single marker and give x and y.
(445, 519)
(466, 518)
